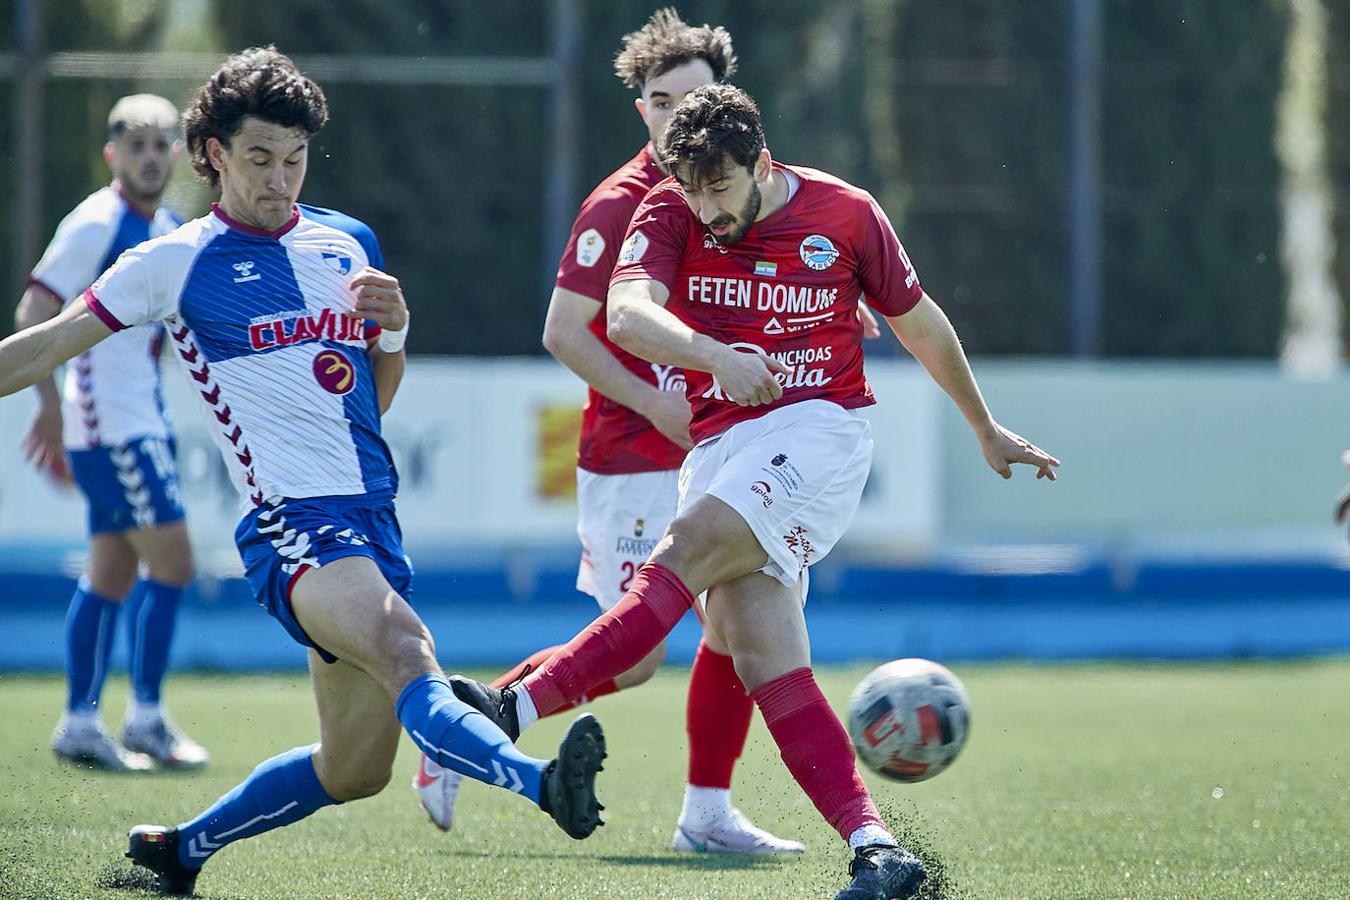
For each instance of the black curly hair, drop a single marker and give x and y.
(261, 82)
(714, 123)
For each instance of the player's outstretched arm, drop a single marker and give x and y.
(640, 323)
(568, 336)
(928, 335)
(31, 355)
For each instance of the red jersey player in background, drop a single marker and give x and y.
(746, 273)
(634, 435)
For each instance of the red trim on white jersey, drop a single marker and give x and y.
(253, 230)
(98, 309)
(185, 342)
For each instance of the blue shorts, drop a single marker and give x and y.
(279, 543)
(131, 485)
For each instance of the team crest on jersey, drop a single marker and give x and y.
(590, 247)
(818, 252)
(633, 248)
(638, 526)
(340, 264)
(334, 372)
(246, 273)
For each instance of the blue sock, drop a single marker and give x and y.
(151, 633)
(459, 737)
(281, 790)
(90, 627)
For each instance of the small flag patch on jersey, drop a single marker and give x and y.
(769, 269)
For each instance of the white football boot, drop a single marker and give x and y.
(437, 788)
(86, 744)
(165, 743)
(732, 833)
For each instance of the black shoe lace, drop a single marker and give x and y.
(509, 691)
(859, 861)
(529, 667)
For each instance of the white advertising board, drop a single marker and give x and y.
(485, 451)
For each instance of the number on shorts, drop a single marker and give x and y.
(628, 569)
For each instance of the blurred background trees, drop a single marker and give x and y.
(954, 115)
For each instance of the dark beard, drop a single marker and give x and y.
(746, 216)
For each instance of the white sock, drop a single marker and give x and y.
(526, 714)
(143, 715)
(870, 834)
(704, 806)
(79, 720)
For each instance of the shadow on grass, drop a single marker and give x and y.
(710, 861)
(126, 877)
(691, 861)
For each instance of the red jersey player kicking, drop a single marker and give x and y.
(745, 273)
(634, 435)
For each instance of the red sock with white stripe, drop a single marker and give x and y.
(613, 643)
(817, 752)
(536, 661)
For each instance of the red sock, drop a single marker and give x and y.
(537, 660)
(614, 642)
(717, 718)
(816, 749)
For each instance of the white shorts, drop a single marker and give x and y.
(619, 520)
(795, 475)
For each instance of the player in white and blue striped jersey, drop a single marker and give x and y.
(108, 432)
(293, 337)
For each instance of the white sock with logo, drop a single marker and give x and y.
(143, 715)
(526, 713)
(870, 834)
(704, 806)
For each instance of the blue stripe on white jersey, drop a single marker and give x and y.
(258, 321)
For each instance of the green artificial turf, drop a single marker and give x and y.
(1088, 781)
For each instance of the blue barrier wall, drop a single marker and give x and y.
(490, 613)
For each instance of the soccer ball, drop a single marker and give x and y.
(909, 719)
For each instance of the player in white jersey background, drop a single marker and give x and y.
(293, 338)
(111, 422)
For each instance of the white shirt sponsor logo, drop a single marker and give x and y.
(590, 247)
(804, 363)
(668, 378)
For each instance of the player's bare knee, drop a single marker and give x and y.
(695, 553)
(172, 570)
(357, 784)
(409, 652)
(756, 667)
(112, 582)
